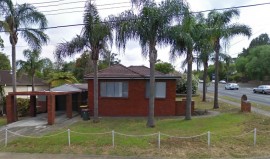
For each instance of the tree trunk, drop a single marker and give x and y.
(152, 94)
(95, 60)
(189, 86)
(33, 83)
(96, 119)
(217, 47)
(14, 77)
(204, 81)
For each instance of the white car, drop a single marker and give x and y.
(264, 89)
(222, 82)
(232, 86)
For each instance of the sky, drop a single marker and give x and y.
(258, 18)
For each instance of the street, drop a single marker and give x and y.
(237, 94)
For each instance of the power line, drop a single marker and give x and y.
(55, 5)
(64, 26)
(48, 2)
(244, 6)
(82, 11)
(83, 7)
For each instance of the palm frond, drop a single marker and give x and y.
(7, 7)
(35, 37)
(27, 14)
(76, 45)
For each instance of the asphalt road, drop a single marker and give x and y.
(237, 94)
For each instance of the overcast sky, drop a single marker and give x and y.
(258, 18)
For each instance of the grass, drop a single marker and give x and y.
(223, 127)
(3, 121)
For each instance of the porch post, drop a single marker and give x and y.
(69, 105)
(10, 109)
(51, 108)
(33, 106)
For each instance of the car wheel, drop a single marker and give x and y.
(254, 91)
(237, 88)
(263, 92)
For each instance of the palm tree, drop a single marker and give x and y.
(17, 20)
(94, 36)
(220, 28)
(148, 27)
(184, 38)
(60, 78)
(32, 64)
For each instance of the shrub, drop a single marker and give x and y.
(23, 106)
(181, 85)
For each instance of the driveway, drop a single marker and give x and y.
(37, 126)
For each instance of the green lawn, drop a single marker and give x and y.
(224, 128)
(3, 121)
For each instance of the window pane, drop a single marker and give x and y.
(147, 89)
(125, 89)
(110, 89)
(103, 89)
(118, 89)
(160, 89)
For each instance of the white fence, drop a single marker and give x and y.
(113, 133)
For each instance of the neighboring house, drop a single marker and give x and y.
(124, 91)
(23, 82)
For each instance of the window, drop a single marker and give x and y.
(160, 89)
(114, 89)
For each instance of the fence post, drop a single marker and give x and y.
(69, 137)
(6, 138)
(158, 140)
(255, 133)
(209, 138)
(113, 138)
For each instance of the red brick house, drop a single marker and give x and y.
(124, 91)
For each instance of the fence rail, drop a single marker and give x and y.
(113, 133)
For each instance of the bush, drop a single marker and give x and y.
(23, 106)
(181, 85)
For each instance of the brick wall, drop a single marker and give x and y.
(136, 104)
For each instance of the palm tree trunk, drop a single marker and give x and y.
(204, 81)
(33, 83)
(152, 94)
(189, 86)
(216, 106)
(14, 76)
(96, 119)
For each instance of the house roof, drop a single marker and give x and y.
(133, 72)
(23, 80)
(71, 88)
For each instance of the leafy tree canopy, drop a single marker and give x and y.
(164, 67)
(4, 62)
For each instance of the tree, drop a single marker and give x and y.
(148, 26)
(256, 64)
(220, 27)
(164, 67)
(262, 39)
(21, 16)
(184, 39)
(108, 59)
(4, 62)
(227, 60)
(60, 78)
(95, 35)
(32, 64)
